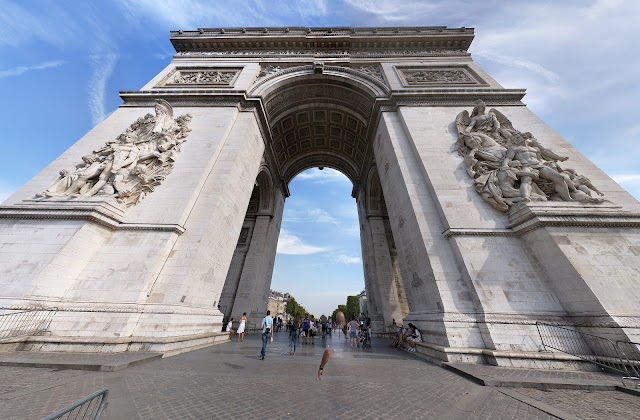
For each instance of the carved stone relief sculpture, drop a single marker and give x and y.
(204, 77)
(436, 76)
(508, 166)
(131, 166)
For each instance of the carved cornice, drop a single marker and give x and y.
(602, 320)
(478, 232)
(107, 213)
(526, 217)
(325, 54)
(21, 303)
(313, 41)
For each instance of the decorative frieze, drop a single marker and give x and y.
(185, 77)
(330, 53)
(437, 76)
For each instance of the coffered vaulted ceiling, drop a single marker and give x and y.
(320, 124)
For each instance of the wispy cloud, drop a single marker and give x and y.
(192, 14)
(290, 244)
(346, 259)
(310, 215)
(103, 61)
(322, 176)
(519, 62)
(17, 71)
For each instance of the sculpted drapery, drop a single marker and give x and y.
(508, 166)
(131, 166)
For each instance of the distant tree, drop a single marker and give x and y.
(353, 307)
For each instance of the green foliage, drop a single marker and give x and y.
(293, 308)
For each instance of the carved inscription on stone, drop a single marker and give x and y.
(508, 166)
(436, 76)
(204, 77)
(131, 166)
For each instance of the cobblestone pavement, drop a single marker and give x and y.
(588, 404)
(230, 381)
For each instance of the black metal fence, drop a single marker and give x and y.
(620, 357)
(91, 407)
(28, 322)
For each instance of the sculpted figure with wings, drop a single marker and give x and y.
(508, 166)
(131, 166)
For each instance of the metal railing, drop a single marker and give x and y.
(92, 407)
(631, 355)
(27, 322)
(620, 357)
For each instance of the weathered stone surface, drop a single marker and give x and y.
(474, 273)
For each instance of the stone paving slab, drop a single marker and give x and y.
(104, 362)
(229, 381)
(535, 378)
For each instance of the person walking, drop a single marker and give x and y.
(294, 330)
(267, 327)
(305, 329)
(241, 327)
(353, 332)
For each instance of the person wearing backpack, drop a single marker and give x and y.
(306, 322)
(294, 331)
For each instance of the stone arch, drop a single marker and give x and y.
(374, 197)
(320, 116)
(264, 185)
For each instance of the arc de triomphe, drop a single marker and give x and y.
(476, 219)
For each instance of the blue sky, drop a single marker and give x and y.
(62, 64)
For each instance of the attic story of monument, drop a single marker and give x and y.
(476, 218)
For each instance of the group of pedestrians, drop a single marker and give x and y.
(407, 337)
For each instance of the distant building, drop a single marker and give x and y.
(277, 303)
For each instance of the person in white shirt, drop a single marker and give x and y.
(230, 328)
(414, 338)
(267, 329)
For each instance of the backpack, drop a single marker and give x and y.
(294, 326)
(305, 324)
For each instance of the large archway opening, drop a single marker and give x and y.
(321, 123)
(319, 257)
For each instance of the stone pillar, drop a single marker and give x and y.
(433, 283)
(147, 277)
(388, 295)
(255, 280)
(369, 265)
(235, 270)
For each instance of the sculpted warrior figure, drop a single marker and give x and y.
(131, 166)
(508, 166)
(529, 166)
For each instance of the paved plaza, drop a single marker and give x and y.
(230, 381)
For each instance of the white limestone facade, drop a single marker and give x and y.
(387, 107)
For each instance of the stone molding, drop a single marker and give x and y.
(105, 307)
(415, 97)
(526, 217)
(478, 232)
(327, 53)
(107, 213)
(299, 40)
(592, 321)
